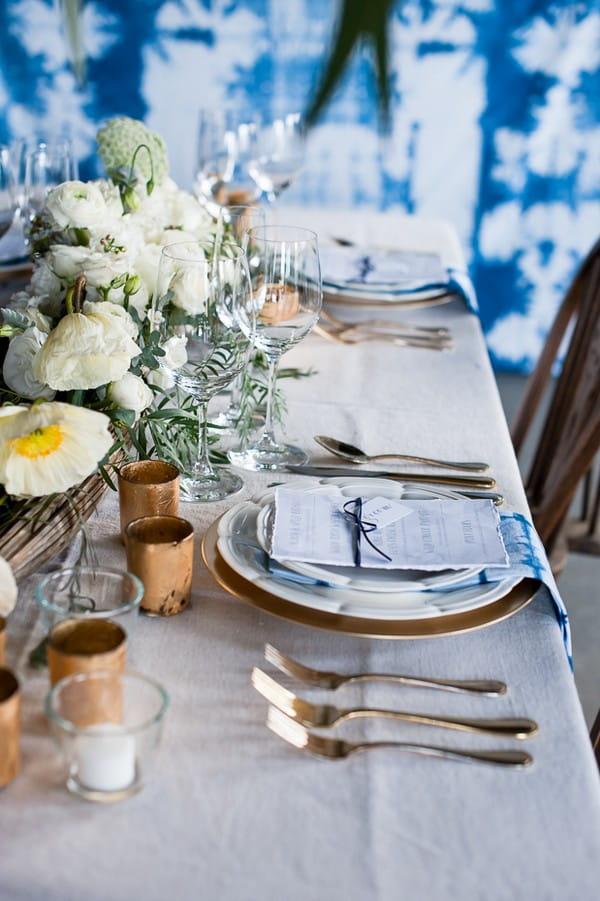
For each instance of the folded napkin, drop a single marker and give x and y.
(527, 558)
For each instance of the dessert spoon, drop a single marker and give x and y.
(356, 455)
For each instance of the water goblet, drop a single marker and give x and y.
(234, 221)
(47, 165)
(224, 144)
(203, 300)
(286, 282)
(8, 203)
(278, 154)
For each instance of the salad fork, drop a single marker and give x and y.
(328, 679)
(334, 748)
(326, 715)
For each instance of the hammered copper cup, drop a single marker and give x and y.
(10, 729)
(160, 552)
(147, 488)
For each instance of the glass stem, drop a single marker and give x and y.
(201, 467)
(268, 435)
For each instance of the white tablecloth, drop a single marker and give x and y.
(233, 812)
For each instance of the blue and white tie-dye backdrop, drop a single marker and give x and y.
(495, 117)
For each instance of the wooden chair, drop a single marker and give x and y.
(570, 433)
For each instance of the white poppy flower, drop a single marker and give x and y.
(76, 204)
(50, 447)
(131, 392)
(85, 351)
(8, 588)
(18, 367)
(115, 312)
(190, 289)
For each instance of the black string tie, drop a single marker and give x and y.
(361, 529)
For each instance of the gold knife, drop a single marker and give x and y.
(466, 481)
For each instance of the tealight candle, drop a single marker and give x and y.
(105, 757)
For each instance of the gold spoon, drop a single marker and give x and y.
(356, 455)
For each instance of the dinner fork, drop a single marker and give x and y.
(334, 748)
(326, 715)
(440, 331)
(413, 340)
(328, 679)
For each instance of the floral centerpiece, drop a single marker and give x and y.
(80, 376)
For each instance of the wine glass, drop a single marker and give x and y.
(203, 300)
(8, 204)
(233, 223)
(286, 282)
(224, 145)
(278, 154)
(47, 165)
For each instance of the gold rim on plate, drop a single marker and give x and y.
(449, 624)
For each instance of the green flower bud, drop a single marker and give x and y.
(133, 285)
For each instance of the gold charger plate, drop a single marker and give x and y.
(451, 624)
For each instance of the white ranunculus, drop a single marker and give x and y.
(146, 265)
(50, 447)
(190, 289)
(187, 213)
(115, 312)
(174, 358)
(85, 351)
(111, 196)
(131, 392)
(18, 368)
(8, 588)
(76, 204)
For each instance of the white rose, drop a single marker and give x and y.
(131, 392)
(190, 289)
(8, 588)
(85, 351)
(18, 369)
(115, 312)
(76, 204)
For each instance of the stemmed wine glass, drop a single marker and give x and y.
(8, 204)
(224, 144)
(278, 154)
(203, 300)
(232, 225)
(286, 283)
(47, 165)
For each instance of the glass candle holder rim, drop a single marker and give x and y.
(308, 233)
(93, 614)
(67, 726)
(175, 473)
(134, 524)
(209, 246)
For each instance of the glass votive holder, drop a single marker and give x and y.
(147, 488)
(91, 593)
(10, 727)
(85, 646)
(108, 751)
(160, 551)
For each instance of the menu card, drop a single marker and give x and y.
(434, 534)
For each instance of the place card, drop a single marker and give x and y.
(396, 534)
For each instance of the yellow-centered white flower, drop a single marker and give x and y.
(50, 447)
(8, 588)
(87, 350)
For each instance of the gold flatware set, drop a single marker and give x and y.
(292, 718)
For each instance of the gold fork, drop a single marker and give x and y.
(427, 343)
(326, 715)
(328, 679)
(440, 331)
(334, 748)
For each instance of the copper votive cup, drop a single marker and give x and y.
(147, 488)
(2, 641)
(84, 646)
(10, 727)
(160, 552)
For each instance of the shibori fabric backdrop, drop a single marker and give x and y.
(495, 117)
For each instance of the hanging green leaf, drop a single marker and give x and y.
(360, 23)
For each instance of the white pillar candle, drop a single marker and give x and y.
(105, 757)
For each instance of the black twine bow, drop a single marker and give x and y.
(361, 529)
